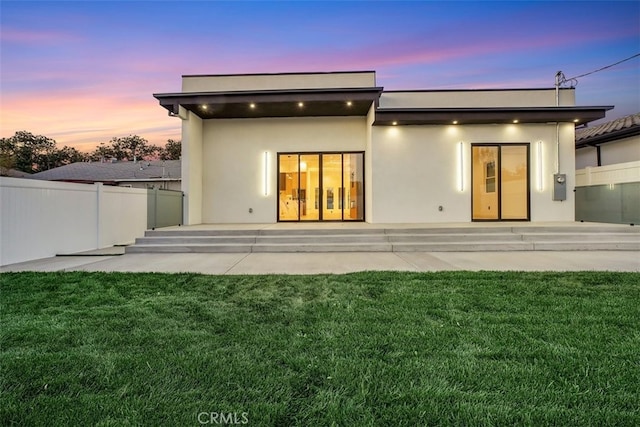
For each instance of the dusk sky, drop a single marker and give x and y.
(84, 72)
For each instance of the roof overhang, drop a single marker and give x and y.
(273, 103)
(493, 115)
(608, 137)
(154, 179)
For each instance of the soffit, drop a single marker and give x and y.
(498, 115)
(273, 103)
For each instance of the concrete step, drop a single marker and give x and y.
(372, 239)
(188, 248)
(580, 237)
(453, 237)
(198, 240)
(587, 246)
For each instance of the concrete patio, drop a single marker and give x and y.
(115, 259)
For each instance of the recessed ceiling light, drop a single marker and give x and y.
(349, 103)
(300, 104)
(395, 123)
(576, 120)
(515, 121)
(252, 105)
(455, 122)
(204, 107)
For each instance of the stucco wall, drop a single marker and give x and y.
(611, 153)
(416, 170)
(622, 151)
(192, 168)
(233, 160)
(225, 83)
(476, 98)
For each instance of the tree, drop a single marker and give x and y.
(34, 153)
(102, 152)
(171, 151)
(28, 152)
(133, 147)
(7, 156)
(66, 155)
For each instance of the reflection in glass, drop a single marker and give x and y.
(314, 187)
(485, 193)
(500, 182)
(513, 182)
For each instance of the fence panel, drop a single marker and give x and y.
(612, 203)
(164, 208)
(40, 219)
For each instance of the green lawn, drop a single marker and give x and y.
(451, 348)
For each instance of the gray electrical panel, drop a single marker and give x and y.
(559, 186)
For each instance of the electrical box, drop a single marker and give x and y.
(559, 187)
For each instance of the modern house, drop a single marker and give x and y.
(266, 148)
(160, 174)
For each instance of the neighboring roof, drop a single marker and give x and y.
(13, 173)
(155, 170)
(614, 130)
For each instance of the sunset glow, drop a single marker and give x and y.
(84, 72)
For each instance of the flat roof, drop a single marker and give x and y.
(273, 103)
(461, 116)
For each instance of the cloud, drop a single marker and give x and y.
(35, 37)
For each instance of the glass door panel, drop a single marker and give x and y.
(332, 197)
(353, 178)
(514, 182)
(320, 187)
(288, 185)
(485, 182)
(309, 195)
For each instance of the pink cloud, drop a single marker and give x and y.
(12, 35)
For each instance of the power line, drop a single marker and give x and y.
(604, 68)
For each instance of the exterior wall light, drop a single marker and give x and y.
(266, 173)
(461, 166)
(540, 168)
(394, 123)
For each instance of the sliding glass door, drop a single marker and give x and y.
(320, 186)
(500, 182)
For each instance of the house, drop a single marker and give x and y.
(296, 147)
(617, 141)
(161, 174)
(13, 173)
(608, 172)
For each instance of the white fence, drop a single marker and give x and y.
(40, 219)
(610, 174)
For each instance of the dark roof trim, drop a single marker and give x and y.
(281, 74)
(273, 103)
(439, 116)
(476, 90)
(608, 137)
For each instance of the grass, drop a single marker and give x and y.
(453, 348)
